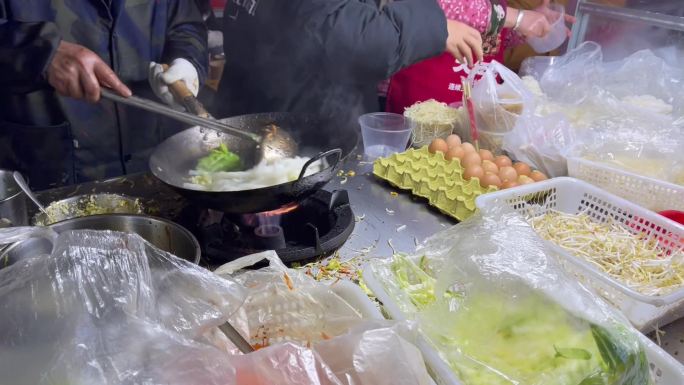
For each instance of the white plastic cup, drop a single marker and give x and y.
(384, 133)
(556, 35)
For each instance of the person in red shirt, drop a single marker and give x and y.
(439, 78)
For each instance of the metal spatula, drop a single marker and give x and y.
(274, 143)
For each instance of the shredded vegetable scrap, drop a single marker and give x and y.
(334, 269)
(634, 260)
(288, 281)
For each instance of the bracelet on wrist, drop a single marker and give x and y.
(518, 20)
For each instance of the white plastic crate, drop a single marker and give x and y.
(665, 370)
(574, 196)
(654, 194)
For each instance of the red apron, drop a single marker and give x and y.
(429, 79)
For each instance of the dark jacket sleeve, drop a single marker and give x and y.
(186, 36)
(26, 50)
(383, 41)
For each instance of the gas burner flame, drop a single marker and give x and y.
(268, 218)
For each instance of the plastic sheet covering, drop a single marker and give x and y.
(105, 308)
(498, 307)
(109, 308)
(628, 113)
(287, 306)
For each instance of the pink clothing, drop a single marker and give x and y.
(475, 13)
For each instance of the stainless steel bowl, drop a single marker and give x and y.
(163, 234)
(88, 205)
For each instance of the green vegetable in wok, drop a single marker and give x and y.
(220, 159)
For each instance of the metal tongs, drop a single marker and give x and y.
(274, 143)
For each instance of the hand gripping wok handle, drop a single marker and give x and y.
(185, 97)
(322, 155)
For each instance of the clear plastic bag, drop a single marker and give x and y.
(542, 141)
(497, 306)
(110, 308)
(499, 97)
(103, 308)
(628, 113)
(570, 78)
(286, 304)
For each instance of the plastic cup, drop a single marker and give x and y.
(556, 35)
(384, 133)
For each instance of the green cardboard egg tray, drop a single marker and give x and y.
(432, 177)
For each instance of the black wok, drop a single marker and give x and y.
(175, 157)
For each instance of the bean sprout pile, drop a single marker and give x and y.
(634, 260)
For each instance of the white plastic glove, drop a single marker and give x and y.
(179, 69)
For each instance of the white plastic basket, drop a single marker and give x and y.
(573, 196)
(654, 194)
(665, 370)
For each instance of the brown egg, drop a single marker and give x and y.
(524, 179)
(453, 140)
(490, 179)
(486, 154)
(489, 166)
(470, 159)
(502, 161)
(509, 184)
(474, 171)
(537, 176)
(467, 147)
(438, 145)
(507, 173)
(522, 168)
(454, 152)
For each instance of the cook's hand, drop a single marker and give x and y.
(78, 72)
(536, 23)
(464, 42)
(553, 15)
(180, 69)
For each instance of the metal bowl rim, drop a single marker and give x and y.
(182, 229)
(76, 198)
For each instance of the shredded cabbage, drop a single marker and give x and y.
(492, 339)
(264, 174)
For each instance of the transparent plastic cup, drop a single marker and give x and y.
(384, 133)
(556, 35)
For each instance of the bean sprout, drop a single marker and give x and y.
(633, 259)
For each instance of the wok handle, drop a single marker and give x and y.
(184, 96)
(322, 155)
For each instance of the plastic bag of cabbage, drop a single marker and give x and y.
(110, 308)
(499, 309)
